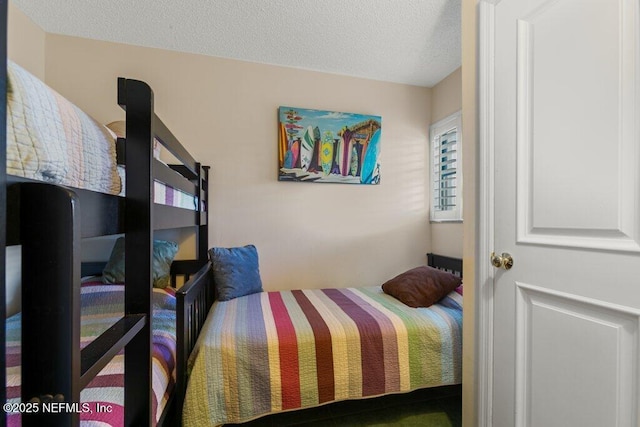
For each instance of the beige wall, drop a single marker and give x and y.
(25, 42)
(225, 112)
(469, 136)
(446, 96)
(446, 99)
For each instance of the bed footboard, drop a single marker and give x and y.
(193, 301)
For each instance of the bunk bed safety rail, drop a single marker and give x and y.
(188, 176)
(162, 133)
(193, 302)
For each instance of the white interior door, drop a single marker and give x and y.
(566, 325)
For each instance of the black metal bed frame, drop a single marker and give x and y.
(49, 222)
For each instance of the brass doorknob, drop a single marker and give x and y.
(504, 261)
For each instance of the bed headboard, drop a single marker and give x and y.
(441, 262)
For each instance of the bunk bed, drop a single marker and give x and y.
(267, 353)
(49, 221)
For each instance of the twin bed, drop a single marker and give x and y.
(278, 351)
(129, 348)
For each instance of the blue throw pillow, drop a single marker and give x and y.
(163, 254)
(235, 271)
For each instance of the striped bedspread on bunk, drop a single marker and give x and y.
(166, 195)
(102, 306)
(278, 351)
(50, 139)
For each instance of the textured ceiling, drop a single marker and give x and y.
(404, 41)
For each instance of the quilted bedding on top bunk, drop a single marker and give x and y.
(102, 306)
(276, 351)
(50, 139)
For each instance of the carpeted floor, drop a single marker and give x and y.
(420, 408)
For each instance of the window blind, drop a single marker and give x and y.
(446, 175)
(445, 166)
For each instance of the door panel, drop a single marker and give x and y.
(578, 348)
(567, 207)
(577, 125)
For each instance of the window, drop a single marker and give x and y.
(446, 162)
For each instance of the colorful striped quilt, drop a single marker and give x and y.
(50, 139)
(277, 351)
(102, 306)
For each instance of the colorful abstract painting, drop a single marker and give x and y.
(328, 146)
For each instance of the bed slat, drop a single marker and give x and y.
(165, 174)
(172, 217)
(100, 351)
(171, 143)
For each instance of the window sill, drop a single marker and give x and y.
(439, 221)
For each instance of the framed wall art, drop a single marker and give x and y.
(328, 146)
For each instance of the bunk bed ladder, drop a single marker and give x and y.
(55, 370)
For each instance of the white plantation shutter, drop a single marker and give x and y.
(446, 176)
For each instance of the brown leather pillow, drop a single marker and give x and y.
(421, 286)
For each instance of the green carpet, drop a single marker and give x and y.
(437, 413)
(420, 408)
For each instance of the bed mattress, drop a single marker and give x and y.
(277, 351)
(102, 306)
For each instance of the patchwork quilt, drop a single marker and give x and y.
(102, 306)
(50, 139)
(277, 351)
